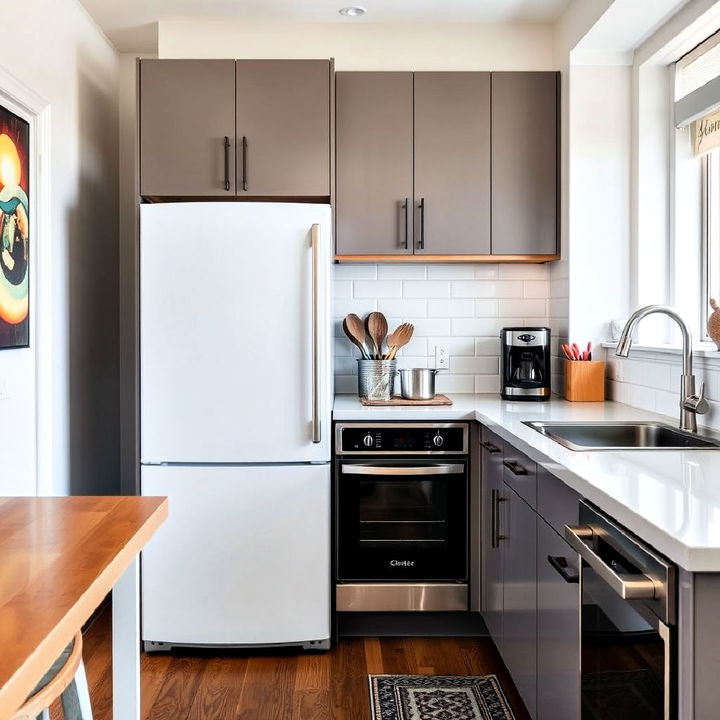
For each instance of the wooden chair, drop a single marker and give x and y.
(66, 679)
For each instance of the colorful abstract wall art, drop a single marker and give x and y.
(14, 231)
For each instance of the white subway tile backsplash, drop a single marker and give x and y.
(462, 307)
(403, 308)
(450, 272)
(355, 272)
(451, 308)
(524, 308)
(486, 308)
(524, 272)
(426, 289)
(401, 272)
(378, 289)
(486, 289)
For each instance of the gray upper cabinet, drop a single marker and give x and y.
(452, 163)
(524, 163)
(492, 562)
(283, 128)
(187, 111)
(374, 163)
(558, 627)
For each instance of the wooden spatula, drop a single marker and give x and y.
(398, 339)
(355, 330)
(377, 328)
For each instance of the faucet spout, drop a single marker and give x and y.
(691, 403)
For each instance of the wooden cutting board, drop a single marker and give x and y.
(397, 400)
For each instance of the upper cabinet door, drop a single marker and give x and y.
(374, 155)
(524, 163)
(187, 127)
(452, 163)
(283, 128)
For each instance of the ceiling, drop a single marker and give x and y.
(130, 24)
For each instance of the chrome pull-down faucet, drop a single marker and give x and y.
(691, 403)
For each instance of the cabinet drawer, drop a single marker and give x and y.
(520, 473)
(557, 504)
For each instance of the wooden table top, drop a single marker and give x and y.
(59, 557)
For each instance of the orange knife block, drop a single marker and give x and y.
(584, 380)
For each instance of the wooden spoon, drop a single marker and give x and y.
(398, 339)
(355, 330)
(377, 328)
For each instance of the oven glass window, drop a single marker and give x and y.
(402, 527)
(407, 511)
(623, 655)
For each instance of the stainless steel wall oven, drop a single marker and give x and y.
(401, 504)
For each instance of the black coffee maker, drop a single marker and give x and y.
(525, 363)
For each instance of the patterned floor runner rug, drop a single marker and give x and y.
(438, 697)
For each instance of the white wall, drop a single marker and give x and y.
(55, 50)
(367, 46)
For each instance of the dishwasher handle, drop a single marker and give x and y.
(627, 586)
(363, 469)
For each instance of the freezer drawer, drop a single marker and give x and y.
(243, 559)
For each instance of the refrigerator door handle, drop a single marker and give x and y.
(315, 243)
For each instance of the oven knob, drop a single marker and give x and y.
(368, 440)
(438, 440)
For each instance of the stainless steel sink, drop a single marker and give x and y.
(622, 436)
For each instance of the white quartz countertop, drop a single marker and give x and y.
(669, 498)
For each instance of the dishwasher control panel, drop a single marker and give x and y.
(401, 438)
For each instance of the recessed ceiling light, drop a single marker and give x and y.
(353, 11)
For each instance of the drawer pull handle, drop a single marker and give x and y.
(561, 565)
(496, 537)
(492, 449)
(515, 468)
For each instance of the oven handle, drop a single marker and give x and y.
(402, 470)
(628, 587)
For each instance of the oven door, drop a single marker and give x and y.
(402, 521)
(627, 652)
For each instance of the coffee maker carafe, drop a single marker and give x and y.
(525, 363)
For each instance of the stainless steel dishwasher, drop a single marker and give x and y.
(627, 625)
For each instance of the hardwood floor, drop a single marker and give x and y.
(283, 685)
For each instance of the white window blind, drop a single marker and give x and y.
(697, 94)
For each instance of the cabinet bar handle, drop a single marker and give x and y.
(496, 537)
(244, 163)
(421, 244)
(514, 467)
(226, 147)
(561, 565)
(405, 207)
(492, 449)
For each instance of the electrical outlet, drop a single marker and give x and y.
(442, 357)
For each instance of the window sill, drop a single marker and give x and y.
(703, 350)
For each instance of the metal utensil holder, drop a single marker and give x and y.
(376, 378)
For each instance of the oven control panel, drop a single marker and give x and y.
(398, 439)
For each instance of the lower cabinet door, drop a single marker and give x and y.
(519, 648)
(558, 628)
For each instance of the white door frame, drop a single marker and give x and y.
(25, 102)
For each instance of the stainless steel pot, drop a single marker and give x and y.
(417, 383)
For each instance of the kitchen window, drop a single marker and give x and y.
(697, 117)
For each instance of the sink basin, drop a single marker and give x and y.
(622, 436)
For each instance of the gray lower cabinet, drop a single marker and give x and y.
(558, 641)
(492, 562)
(525, 163)
(374, 163)
(283, 128)
(519, 649)
(187, 127)
(452, 163)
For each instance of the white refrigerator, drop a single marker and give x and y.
(235, 388)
